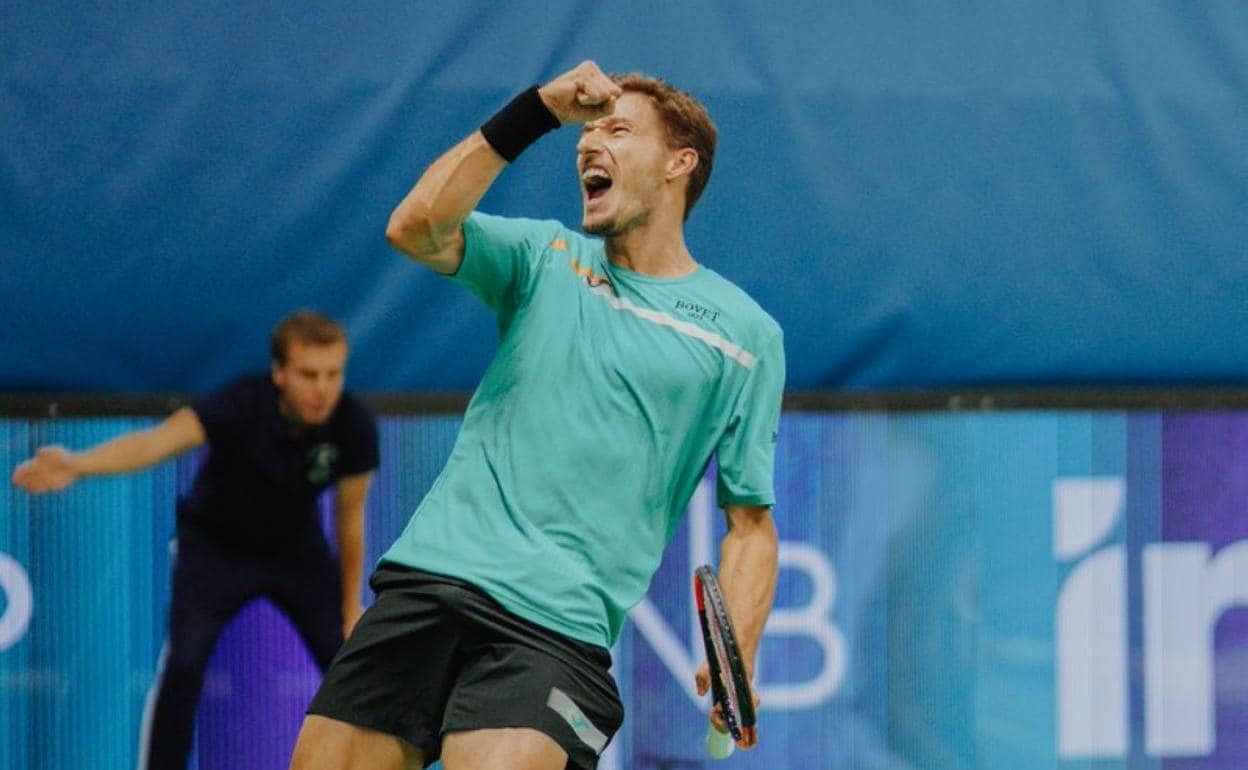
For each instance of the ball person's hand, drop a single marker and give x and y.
(51, 468)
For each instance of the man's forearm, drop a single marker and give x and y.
(120, 455)
(141, 449)
(748, 565)
(351, 556)
(351, 496)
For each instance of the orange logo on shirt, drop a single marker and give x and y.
(593, 279)
(559, 244)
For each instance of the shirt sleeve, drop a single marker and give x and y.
(500, 257)
(746, 454)
(225, 412)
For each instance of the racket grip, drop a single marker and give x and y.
(719, 745)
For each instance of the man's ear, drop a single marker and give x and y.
(682, 162)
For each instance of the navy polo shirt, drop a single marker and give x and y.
(257, 489)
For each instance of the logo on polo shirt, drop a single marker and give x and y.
(321, 459)
(694, 310)
(594, 280)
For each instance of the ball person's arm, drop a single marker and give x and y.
(350, 496)
(427, 224)
(748, 566)
(54, 467)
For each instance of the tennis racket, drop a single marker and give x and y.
(729, 686)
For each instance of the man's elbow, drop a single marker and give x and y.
(410, 234)
(753, 525)
(436, 243)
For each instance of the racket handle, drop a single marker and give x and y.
(719, 745)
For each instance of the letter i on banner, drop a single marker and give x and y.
(1091, 622)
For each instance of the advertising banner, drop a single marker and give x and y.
(1032, 589)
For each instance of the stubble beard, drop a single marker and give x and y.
(613, 228)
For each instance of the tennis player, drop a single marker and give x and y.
(624, 365)
(248, 527)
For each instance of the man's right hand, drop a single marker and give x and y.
(580, 95)
(51, 468)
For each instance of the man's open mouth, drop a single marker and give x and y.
(596, 182)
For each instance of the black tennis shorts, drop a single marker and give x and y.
(434, 655)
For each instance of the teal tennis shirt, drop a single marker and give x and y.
(609, 394)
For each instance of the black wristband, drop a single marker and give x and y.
(521, 123)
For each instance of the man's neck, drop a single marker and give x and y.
(655, 248)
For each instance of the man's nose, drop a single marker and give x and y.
(588, 144)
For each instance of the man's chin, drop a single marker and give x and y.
(315, 418)
(612, 225)
(599, 227)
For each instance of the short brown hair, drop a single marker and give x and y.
(688, 125)
(306, 326)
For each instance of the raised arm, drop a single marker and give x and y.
(54, 467)
(427, 224)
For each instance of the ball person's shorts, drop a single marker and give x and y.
(434, 655)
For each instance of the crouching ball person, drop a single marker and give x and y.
(248, 528)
